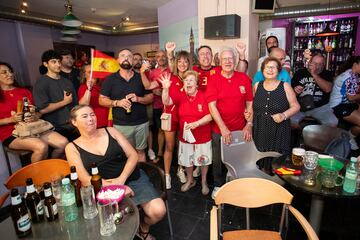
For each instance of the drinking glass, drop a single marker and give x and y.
(106, 215)
(311, 160)
(88, 200)
(309, 177)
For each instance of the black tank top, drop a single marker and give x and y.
(111, 164)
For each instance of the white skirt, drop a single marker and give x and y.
(195, 154)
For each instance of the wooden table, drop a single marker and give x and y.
(79, 229)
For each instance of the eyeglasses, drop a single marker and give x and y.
(270, 67)
(228, 59)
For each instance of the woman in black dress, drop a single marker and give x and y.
(117, 163)
(274, 103)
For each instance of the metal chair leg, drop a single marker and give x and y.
(6, 153)
(169, 219)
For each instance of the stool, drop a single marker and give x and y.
(20, 153)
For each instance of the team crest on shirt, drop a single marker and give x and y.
(200, 109)
(242, 89)
(212, 72)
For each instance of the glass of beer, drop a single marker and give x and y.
(20, 106)
(297, 156)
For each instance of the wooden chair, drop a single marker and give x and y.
(157, 177)
(40, 172)
(317, 137)
(254, 193)
(240, 159)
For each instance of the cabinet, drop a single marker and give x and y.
(343, 45)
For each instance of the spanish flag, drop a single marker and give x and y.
(102, 65)
(110, 118)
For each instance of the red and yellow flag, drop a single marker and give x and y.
(102, 65)
(110, 118)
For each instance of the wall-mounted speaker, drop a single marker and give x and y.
(221, 27)
(263, 6)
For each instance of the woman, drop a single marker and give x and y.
(116, 160)
(344, 97)
(194, 116)
(89, 92)
(9, 116)
(274, 103)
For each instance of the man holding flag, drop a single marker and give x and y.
(125, 93)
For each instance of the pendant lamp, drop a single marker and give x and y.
(70, 20)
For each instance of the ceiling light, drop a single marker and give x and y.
(70, 20)
(126, 19)
(68, 38)
(70, 30)
(23, 11)
(24, 4)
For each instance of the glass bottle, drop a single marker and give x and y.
(33, 202)
(95, 178)
(19, 215)
(75, 182)
(26, 109)
(351, 176)
(51, 210)
(68, 201)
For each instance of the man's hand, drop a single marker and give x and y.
(89, 84)
(298, 89)
(146, 66)
(170, 47)
(226, 134)
(124, 103)
(247, 130)
(132, 97)
(241, 48)
(67, 97)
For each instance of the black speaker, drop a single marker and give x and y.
(263, 6)
(224, 26)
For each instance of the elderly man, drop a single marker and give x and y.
(283, 76)
(313, 86)
(124, 91)
(229, 94)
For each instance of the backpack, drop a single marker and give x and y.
(339, 147)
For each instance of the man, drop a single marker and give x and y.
(315, 84)
(272, 41)
(67, 69)
(55, 95)
(283, 75)
(125, 92)
(137, 62)
(229, 94)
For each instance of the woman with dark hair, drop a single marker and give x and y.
(344, 97)
(117, 163)
(10, 114)
(89, 92)
(274, 103)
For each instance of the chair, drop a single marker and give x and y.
(40, 172)
(19, 153)
(254, 193)
(240, 158)
(157, 177)
(317, 137)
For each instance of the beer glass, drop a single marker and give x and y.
(106, 215)
(88, 200)
(311, 160)
(297, 156)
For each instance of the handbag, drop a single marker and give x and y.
(306, 103)
(32, 129)
(166, 119)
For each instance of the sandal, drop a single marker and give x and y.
(157, 159)
(144, 235)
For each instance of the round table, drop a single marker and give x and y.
(318, 193)
(79, 229)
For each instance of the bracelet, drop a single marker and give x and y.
(285, 117)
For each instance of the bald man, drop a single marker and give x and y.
(283, 76)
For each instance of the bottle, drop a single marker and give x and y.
(95, 178)
(19, 215)
(128, 111)
(333, 44)
(33, 202)
(75, 182)
(326, 42)
(350, 42)
(26, 109)
(346, 42)
(51, 211)
(309, 44)
(68, 200)
(351, 176)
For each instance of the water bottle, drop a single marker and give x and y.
(351, 176)
(68, 200)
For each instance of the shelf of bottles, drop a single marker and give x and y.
(343, 45)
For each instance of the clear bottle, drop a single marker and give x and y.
(50, 206)
(75, 182)
(95, 178)
(19, 215)
(68, 201)
(351, 176)
(33, 202)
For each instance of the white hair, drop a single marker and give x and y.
(227, 49)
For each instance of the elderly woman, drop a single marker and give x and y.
(89, 92)
(9, 116)
(274, 103)
(344, 98)
(116, 160)
(194, 116)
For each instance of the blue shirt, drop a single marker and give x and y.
(283, 76)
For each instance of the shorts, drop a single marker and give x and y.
(137, 135)
(144, 190)
(195, 154)
(156, 118)
(8, 141)
(345, 109)
(149, 113)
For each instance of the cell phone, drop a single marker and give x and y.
(68, 93)
(144, 61)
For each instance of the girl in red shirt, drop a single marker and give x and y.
(194, 115)
(89, 92)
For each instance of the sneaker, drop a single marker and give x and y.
(181, 174)
(168, 181)
(185, 187)
(353, 144)
(205, 189)
(214, 192)
(197, 172)
(151, 154)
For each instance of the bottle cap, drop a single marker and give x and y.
(14, 192)
(65, 181)
(29, 181)
(72, 169)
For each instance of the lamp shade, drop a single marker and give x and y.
(70, 20)
(327, 32)
(70, 31)
(68, 38)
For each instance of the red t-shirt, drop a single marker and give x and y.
(192, 109)
(204, 75)
(231, 96)
(154, 75)
(100, 111)
(8, 104)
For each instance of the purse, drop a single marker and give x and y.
(306, 103)
(32, 129)
(166, 120)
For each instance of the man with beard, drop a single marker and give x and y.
(137, 62)
(125, 93)
(67, 69)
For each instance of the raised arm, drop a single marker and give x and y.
(242, 64)
(170, 48)
(166, 83)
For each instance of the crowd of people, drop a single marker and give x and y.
(202, 105)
